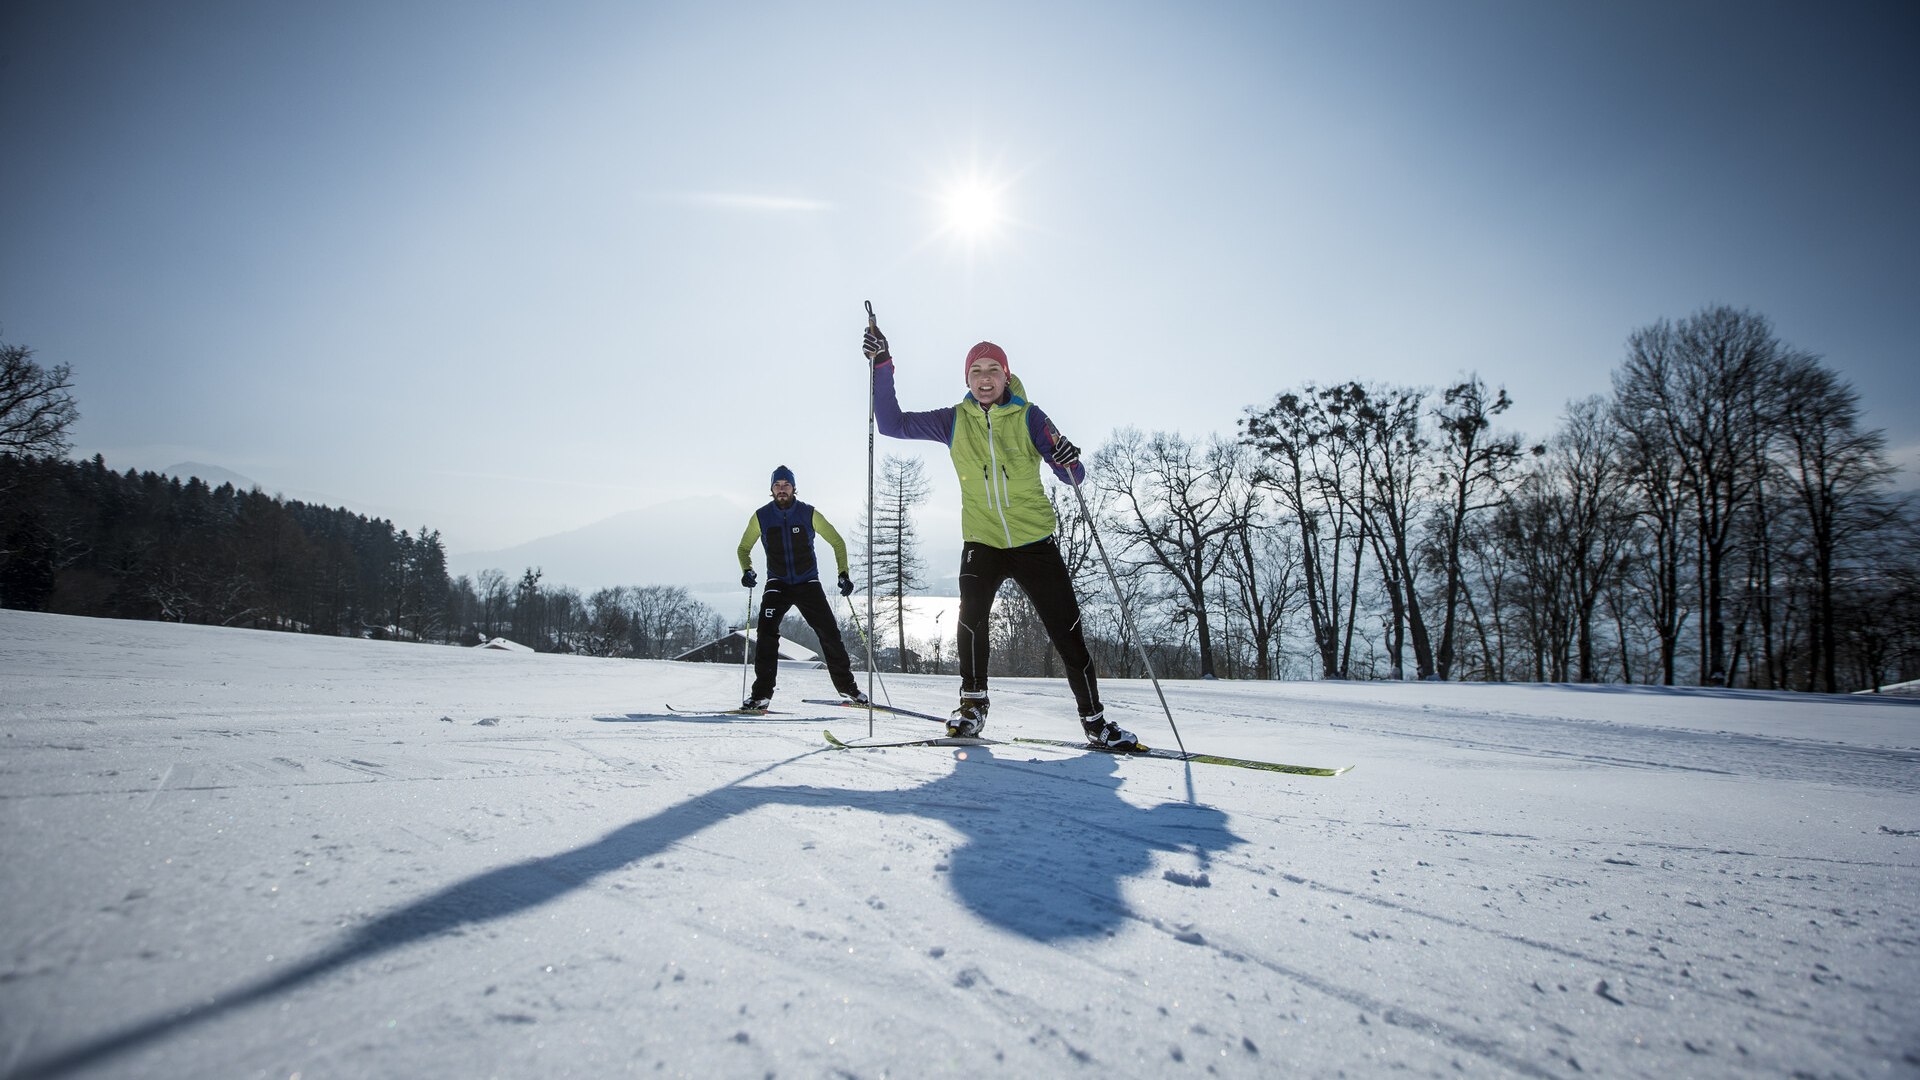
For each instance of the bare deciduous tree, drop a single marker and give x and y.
(1397, 489)
(1264, 584)
(1658, 557)
(1837, 472)
(1701, 381)
(491, 590)
(36, 404)
(608, 622)
(1313, 464)
(1175, 503)
(1476, 465)
(1584, 464)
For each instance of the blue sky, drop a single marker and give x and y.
(507, 270)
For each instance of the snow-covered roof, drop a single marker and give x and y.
(1910, 688)
(504, 645)
(788, 649)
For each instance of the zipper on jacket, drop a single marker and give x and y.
(786, 538)
(993, 464)
(786, 545)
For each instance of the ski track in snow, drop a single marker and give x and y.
(235, 853)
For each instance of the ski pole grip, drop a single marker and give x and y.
(871, 324)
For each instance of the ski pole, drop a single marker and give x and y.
(1126, 618)
(862, 631)
(872, 667)
(746, 644)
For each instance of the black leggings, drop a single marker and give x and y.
(1039, 571)
(812, 602)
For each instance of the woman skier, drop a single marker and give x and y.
(998, 439)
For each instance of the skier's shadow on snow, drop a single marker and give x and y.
(1048, 845)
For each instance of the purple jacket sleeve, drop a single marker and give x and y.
(1042, 432)
(934, 425)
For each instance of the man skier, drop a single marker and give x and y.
(785, 528)
(997, 439)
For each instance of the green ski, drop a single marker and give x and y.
(877, 707)
(938, 740)
(1203, 759)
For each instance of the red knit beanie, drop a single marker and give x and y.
(989, 350)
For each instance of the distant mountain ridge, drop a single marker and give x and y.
(688, 542)
(215, 475)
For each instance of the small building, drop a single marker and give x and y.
(1910, 688)
(503, 645)
(737, 648)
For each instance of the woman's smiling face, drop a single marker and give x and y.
(987, 379)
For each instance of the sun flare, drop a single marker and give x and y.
(972, 209)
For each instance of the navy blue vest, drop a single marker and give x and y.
(787, 537)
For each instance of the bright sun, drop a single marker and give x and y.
(972, 209)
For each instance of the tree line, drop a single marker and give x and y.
(78, 538)
(1722, 518)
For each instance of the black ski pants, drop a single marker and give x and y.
(811, 599)
(1040, 572)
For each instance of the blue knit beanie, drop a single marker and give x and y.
(782, 473)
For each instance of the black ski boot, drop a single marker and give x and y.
(1104, 734)
(971, 717)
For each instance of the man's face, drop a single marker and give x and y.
(987, 379)
(783, 493)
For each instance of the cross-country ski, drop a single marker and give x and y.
(1198, 759)
(749, 713)
(1066, 744)
(891, 710)
(937, 740)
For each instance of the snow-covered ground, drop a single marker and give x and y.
(244, 854)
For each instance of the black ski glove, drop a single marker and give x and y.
(749, 579)
(846, 585)
(874, 345)
(1064, 452)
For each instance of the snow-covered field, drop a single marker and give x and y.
(236, 854)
